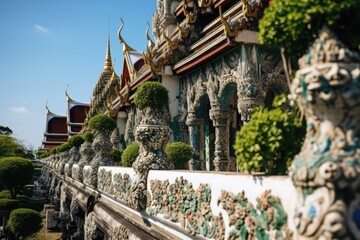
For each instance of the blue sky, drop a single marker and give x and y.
(46, 45)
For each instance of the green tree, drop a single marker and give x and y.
(293, 25)
(179, 153)
(8, 146)
(24, 222)
(271, 138)
(15, 173)
(130, 154)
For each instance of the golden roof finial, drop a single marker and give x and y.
(47, 108)
(66, 93)
(126, 47)
(108, 65)
(151, 44)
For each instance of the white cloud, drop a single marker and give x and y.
(19, 110)
(41, 29)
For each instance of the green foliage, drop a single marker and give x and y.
(63, 147)
(153, 95)
(43, 154)
(15, 173)
(88, 136)
(102, 123)
(5, 194)
(130, 154)
(24, 222)
(179, 153)
(76, 141)
(270, 140)
(8, 146)
(7, 205)
(295, 24)
(116, 155)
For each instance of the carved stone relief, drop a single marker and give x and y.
(119, 233)
(91, 231)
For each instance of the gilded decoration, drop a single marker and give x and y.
(267, 220)
(326, 173)
(181, 203)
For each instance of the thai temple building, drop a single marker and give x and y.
(60, 128)
(207, 55)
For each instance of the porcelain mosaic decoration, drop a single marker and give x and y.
(179, 202)
(326, 173)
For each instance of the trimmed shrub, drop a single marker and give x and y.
(102, 123)
(153, 95)
(88, 136)
(7, 205)
(270, 140)
(179, 153)
(130, 154)
(5, 194)
(116, 155)
(15, 173)
(24, 222)
(63, 147)
(76, 141)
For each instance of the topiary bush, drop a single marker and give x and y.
(130, 154)
(116, 155)
(270, 140)
(24, 222)
(76, 141)
(153, 95)
(179, 153)
(102, 123)
(88, 136)
(63, 147)
(15, 173)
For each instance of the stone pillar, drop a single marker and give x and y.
(194, 138)
(87, 154)
(153, 133)
(115, 138)
(326, 173)
(102, 148)
(64, 158)
(74, 157)
(220, 119)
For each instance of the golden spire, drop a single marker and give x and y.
(47, 108)
(151, 44)
(108, 64)
(67, 95)
(126, 47)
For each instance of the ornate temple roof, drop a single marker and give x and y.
(55, 132)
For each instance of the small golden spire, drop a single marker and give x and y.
(67, 95)
(126, 47)
(151, 44)
(47, 108)
(108, 64)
